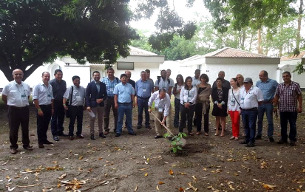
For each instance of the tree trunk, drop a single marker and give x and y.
(298, 38)
(7, 71)
(259, 41)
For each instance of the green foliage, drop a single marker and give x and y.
(176, 141)
(299, 68)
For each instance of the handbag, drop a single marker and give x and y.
(68, 103)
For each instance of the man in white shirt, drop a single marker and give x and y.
(16, 95)
(250, 98)
(43, 100)
(162, 108)
(164, 83)
(196, 78)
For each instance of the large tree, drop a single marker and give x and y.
(36, 31)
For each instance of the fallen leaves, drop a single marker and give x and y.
(171, 172)
(74, 184)
(269, 187)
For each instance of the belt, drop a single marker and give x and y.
(267, 101)
(124, 103)
(251, 109)
(143, 97)
(14, 107)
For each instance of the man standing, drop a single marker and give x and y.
(240, 80)
(132, 82)
(289, 96)
(44, 103)
(59, 89)
(268, 87)
(150, 80)
(225, 83)
(250, 98)
(168, 76)
(16, 95)
(162, 108)
(96, 94)
(164, 83)
(111, 81)
(143, 92)
(124, 101)
(196, 78)
(76, 96)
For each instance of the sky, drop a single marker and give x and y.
(195, 13)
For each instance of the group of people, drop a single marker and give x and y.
(236, 97)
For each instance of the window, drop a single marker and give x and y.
(125, 65)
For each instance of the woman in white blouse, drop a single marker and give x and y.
(188, 96)
(233, 107)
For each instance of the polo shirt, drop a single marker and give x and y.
(268, 88)
(163, 104)
(43, 94)
(143, 88)
(58, 88)
(124, 92)
(17, 94)
(78, 95)
(250, 100)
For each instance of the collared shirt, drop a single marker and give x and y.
(110, 84)
(178, 87)
(59, 89)
(98, 87)
(43, 94)
(164, 84)
(250, 100)
(162, 104)
(152, 84)
(233, 100)
(268, 88)
(288, 96)
(132, 83)
(124, 92)
(195, 81)
(143, 88)
(78, 95)
(17, 94)
(188, 96)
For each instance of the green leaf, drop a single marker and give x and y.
(179, 148)
(173, 143)
(175, 150)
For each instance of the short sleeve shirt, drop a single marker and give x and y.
(268, 88)
(164, 84)
(17, 94)
(43, 93)
(250, 100)
(143, 88)
(124, 92)
(288, 96)
(110, 84)
(78, 95)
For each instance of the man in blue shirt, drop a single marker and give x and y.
(143, 92)
(268, 87)
(124, 101)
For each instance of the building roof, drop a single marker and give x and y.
(134, 51)
(231, 52)
(300, 56)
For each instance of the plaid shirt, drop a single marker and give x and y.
(288, 96)
(110, 85)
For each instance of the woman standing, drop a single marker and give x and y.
(220, 100)
(176, 92)
(233, 107)
(202, 107)
(188, 96)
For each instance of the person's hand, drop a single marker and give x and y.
(66, 107)
(116, 106)
(163, 122)
(219, 105)
(299, 110)
(89, 109)
(99, 101)
(40, 113)
(187, 105)
(149, 110)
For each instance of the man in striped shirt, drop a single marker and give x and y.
(288, 97)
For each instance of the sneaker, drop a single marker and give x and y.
(92, 137)
(102, 135)
(139, 126)
(271, 139)
(56, 138)
(282, 141)
(258, 137)
(250, 144)
(13, 151)
(28, 148)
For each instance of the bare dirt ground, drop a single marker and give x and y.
(142, 163)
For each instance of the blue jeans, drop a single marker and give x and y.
(177, 113)
(249, 122)
(292, 118)
(268, 108)
(143, 104)
(127, 110)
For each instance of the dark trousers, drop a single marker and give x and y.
(177, 113)
(249, 121)
(186, 114)
(109, 103)
(76, 112)
(143, 104)
(58, 118)
(198, 117)
(43, 123)
(290, 117)
(18, 116)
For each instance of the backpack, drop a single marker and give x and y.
(159, 79)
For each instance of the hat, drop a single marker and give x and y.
(248, 80)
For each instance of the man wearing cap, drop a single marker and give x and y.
(268, 87)
(250, 98)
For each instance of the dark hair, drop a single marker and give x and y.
(95, 72)
(179, 75)
(234, 79)
(123, 75)
(265, 73)
(219, 79)
(75, 77)
(57, 70)
(110, 69)
(162, 71)
(186, 79)
(286, 72)
(147, 70)
(162, 90)
(204, 76)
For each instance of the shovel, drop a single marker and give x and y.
(182, 141)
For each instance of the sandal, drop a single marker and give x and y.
(231, 138)
(216, 134)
